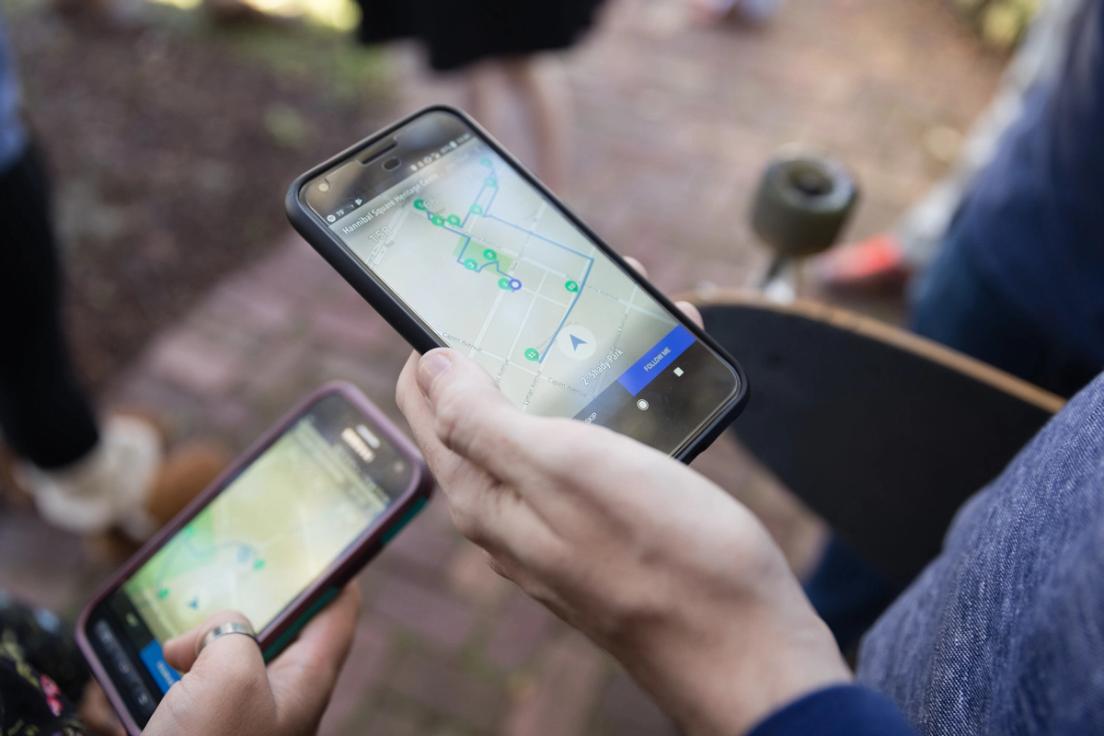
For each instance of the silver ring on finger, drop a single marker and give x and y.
(226, 629)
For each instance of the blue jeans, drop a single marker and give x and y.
(952, 304)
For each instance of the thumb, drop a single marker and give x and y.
(472, 417)
(227, 686)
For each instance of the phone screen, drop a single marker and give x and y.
(275, 529)
(495, 268)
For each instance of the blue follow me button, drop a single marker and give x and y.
(656, 359)
(154, 659)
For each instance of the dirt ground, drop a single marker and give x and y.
(171, 146)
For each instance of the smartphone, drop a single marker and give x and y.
(455, 243)
(276, 537)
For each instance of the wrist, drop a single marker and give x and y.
(719, 672)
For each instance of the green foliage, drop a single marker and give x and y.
(1000, 23)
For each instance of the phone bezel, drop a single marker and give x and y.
(369, 543)
(421, 336)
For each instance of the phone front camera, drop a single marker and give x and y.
(391, 164)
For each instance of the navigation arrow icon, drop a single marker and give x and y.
(576, 342)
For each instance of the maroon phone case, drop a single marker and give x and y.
(370, 542)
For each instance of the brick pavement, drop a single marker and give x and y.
(673, 126)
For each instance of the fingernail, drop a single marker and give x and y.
(432, 364)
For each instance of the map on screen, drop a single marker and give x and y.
(263, 540)
(497, 271)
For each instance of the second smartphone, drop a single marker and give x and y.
(275, 538)
(456, 244)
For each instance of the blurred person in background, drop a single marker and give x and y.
(889, 259)
(89, 475)
(1009, 241)
(1017, 237)
(504, 50)
(1019, 278)
(86, 474)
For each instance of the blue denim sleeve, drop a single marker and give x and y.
(842, 710)
(12, 134)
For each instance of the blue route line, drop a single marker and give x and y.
(469, 213)
(486, 212)
(560, 326)
(539, 236)
(490, 202)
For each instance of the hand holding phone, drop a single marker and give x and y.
(275, 539)
(232, 693)
(652, 561)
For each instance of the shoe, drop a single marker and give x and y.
(107, 487)
(126, 484)
(186, 472)
(875, 264)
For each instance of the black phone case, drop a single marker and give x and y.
(394, 311)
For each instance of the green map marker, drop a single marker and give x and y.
(532, 354)
(571, 286)
(504, 283)
(419, 204)
(258, 564)
(490, 254)
(475, 209)
(492, 182)
(437, 220)
(455, 220)
(470, 264)
(163, 593)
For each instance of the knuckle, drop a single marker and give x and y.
(452, 418)
(547, 559)
(467, 522)
(570, 447)
(502, 568)
(463, 424)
